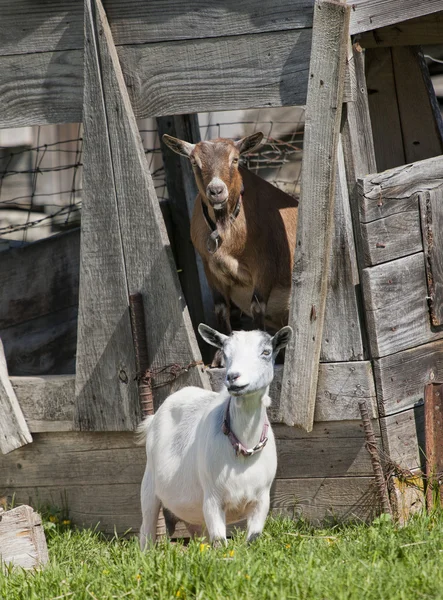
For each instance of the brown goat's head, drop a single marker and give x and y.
(215, 165)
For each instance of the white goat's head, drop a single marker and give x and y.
(249, 356)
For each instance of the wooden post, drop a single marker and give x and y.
(124, 249)
(182, 191)
(314, 231)
(434, 444)
(14, 431)
(22, 539)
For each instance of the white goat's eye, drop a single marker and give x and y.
(266, 353)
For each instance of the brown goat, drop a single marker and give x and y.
(244, 230)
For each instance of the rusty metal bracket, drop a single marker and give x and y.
(434, 444)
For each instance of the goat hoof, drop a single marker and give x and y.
(253, 537)
(218, 360)
(219, 543)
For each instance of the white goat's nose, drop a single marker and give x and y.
(231, 377)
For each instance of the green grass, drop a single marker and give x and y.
(290, 560)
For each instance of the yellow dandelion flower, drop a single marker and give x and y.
(53, 519)
(66, 522)
(288, 546)
(105, 572)
(203, 547)
(247, 577)
(138, 576)
(231, 553)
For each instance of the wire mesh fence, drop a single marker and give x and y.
(41, 167)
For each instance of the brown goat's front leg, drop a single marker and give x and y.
(258, 309)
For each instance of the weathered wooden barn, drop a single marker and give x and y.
(368, 279)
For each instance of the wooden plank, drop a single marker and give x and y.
(420, 116)
(314, 230)
(397, 313)
(393, 236)
(424, 30)
(383, 108)
(22, 538)
(342, 339)
(58, 25)
(371, 14)
(431, 205)
(393, 192)
(42, 346)
(404, 439)
(340, 387)
(150, 267)
(14, 431)
(40, 278)
(400, 378)
(47, 402)
(267, 69)
(182, 192)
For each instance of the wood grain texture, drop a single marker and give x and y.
(431, 206)
(150, 267)
(383, 108)
(39, 278)
(22, 538)
(340, 387)
(392, 237)
(58, 25)
(182, 192)
(420, 116)
(14, 431)
(413, 32)
(247, 71)
(397, 312)
(342, 339)
(403, 436)
(371, 14)
(43, 346)
(394, 191)
(315, 223)
(400, 378)
(47, 402)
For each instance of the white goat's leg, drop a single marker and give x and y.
(150, 509)
(215, 520)
(256, 520)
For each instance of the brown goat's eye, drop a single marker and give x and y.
(235, 161)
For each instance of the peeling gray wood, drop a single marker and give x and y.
(397, 311)
(47, 402)
(58, 25)
(401, 378)
(315, 223)
(14, 431)
(383, 108)
(413, 32)
(394, 191)
(371, 14)
(392, 237)
(117, 177)
(22, 539)
(267, 69)
(340, 387)
(431, 205)
(403, 438)
(342, 339)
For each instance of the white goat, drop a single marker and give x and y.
(197, 467)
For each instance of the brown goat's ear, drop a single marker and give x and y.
(250, 143)
(179, 146)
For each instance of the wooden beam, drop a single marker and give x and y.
(397, 312)
(182, 191)
(431, 206)
(424, 30)
(314, 231)
(14, 431)
(120, 208)
(22, 539)
(372, 14)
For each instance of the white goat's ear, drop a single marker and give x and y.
(212, 336)
(281, 338)
(179, 146)
(250, 143)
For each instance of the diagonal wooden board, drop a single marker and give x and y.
(314, 232)
(124, 249)
(14, 431)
